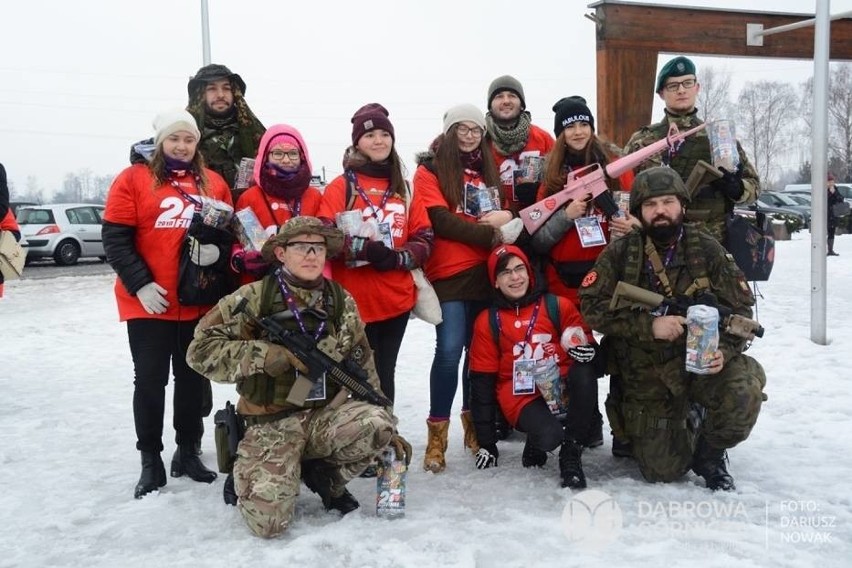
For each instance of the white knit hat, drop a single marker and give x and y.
(460, 113)
(171, 121)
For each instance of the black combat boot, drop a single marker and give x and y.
(185, 461)
(621, 448)
(533, 457)
(229, 494)
(153, 474)
(571, 465)
(709, 463)
(317, 477)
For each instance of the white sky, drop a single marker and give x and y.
(82, 80)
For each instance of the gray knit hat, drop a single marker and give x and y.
(460, 113)
(506, 83)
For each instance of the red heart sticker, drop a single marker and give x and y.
(550, 204)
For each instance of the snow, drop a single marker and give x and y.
(69, 464)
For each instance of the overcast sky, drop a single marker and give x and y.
(82, 80)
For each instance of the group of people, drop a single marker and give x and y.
(517, 309)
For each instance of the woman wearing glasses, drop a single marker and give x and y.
(520, 364)
(282, 190)
(388, 234)
(460, 187)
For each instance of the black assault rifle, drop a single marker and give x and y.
(633, 296)
(319, 357)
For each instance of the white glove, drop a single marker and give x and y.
(510, 231)
(583, 353)
(202, 255)
(485, 459)
(152, 296)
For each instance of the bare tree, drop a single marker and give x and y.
(714, 100)
(766, 124)
(840, 119)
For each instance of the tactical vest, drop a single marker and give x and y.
(707, 205)
(262, 389)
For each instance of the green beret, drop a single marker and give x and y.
(677, 67)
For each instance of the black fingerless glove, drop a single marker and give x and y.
(730, 184)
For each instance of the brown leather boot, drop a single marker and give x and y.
(436, 445)
(470, 440)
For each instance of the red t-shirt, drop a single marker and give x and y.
(449, 257)
(379, 295)
(161, 216)
(486, 356)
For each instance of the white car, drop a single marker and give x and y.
(65, 232)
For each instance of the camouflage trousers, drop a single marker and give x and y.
(663, 440)
(268, 467)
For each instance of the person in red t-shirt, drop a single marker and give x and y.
(527, 344)
(460, 188)
(148, 214)
(390, 236)
(282, 190)
(569, 250)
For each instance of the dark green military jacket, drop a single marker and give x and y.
(633, 351)
(708, 205)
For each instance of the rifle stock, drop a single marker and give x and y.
(319, 357)
(591, 179)
(630, 296)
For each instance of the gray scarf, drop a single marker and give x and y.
(509, 141)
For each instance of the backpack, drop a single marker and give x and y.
(752, 246)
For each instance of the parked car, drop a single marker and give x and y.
(794, 220)
(13, 205)
(845, 189)
(65, 232)
(781, 201)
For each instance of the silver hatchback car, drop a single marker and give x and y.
(62, 231)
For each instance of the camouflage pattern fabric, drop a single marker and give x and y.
(709, 206)
(268, 467)
(657, 391)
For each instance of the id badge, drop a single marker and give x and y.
(590, 232)
(317, 392)
(385, 234)
(523, 376)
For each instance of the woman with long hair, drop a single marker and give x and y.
(460, 187)
(571, 240)
(147, 218)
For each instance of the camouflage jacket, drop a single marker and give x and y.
(708, 205)
(633, 351)
(229, 348)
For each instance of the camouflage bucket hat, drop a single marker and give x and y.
(656, 182)
(303, 226)
(213, 72)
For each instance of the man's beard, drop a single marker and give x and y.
(663, 234)
(220, 114)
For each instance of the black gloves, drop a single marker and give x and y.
(583, 353)
(731, 183)
(487, 456)
(380, 256)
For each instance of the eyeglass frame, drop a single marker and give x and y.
(309, 247)
(675, 86)
(291, 155)
(470, 130)
(518, 270)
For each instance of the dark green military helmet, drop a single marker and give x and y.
(655, 182)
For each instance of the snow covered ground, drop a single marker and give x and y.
(69, 465)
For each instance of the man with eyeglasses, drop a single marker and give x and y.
(518, 145)
(678, 87)
(324, 438)
(229, 129)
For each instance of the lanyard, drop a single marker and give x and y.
(534, 317)
(350, 175)
(194, 199)
(658, 267)
(291, 305)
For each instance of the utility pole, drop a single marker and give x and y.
(205, 33)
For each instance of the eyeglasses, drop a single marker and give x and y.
(675, 85)
(279, 155)
(304, 248)
(464, 130)
(519, 270)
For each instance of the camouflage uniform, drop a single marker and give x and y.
(225, 141)
(657, 391)
(709, 205)
(280, 435)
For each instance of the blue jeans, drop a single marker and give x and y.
(451, 336)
